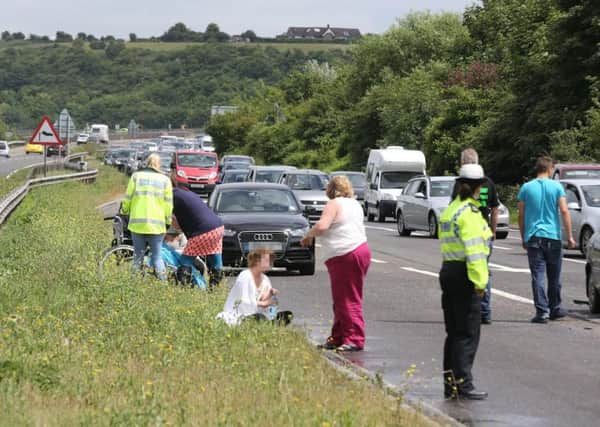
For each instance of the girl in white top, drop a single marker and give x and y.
(347, 256)
(252, 292)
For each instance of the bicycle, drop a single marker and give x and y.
(118, 258)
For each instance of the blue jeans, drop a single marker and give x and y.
(545, 257)
(486, 301)
(139, 247)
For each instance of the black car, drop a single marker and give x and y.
(237, 158)
(261, 215)
(234, 175)
(56, 150)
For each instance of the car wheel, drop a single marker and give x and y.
(401, 227)
(433, 226)
(307, 270)
(370, 216)
(593, 297)
(501, 235)
(380, 217)
(584, 239)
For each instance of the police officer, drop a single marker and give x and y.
(464, 236)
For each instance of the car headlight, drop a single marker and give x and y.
(228, 233)
(181, 174)
(298, 232)
(387, 196)
(212, 175)
(502, 210)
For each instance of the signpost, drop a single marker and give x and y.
(45, 134)
(66, 127)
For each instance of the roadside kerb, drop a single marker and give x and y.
(355, 372)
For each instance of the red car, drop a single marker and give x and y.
(196, 170)
(576, 171)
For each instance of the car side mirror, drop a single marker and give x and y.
(373, 186)
(573, 206)
(420, 195)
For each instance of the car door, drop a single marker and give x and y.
(574, 203)
(421, 205)
(408, 210)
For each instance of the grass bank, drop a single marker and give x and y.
(129, 351)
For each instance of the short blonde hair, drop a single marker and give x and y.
(339, 186)
(254, 257)
(153, 161)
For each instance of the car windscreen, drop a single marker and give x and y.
(267, 200)
(196, 160)
(442, 188)
(234, 177)
(3, 145)
(235, 165)
(582, 174)
(396, 179)
(356, 179)
(307, 181)
(592, 195)
(267, 176)
(123, 154)
(238, 159)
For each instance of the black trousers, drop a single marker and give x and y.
(462, 317)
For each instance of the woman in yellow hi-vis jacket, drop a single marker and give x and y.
(464, 237)
(149, 204)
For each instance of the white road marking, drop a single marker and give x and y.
(513, 238)
(318, 245)
(381, 228)
(577, 261)
(499, 267)
(378, 261)
(426, 273)
(498, 292)
(502, 248)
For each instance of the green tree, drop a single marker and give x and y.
(61, 36)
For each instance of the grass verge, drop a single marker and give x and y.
(128, 351)
(9, 184)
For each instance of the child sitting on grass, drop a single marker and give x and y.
(252, 295)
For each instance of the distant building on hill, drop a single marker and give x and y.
(321, 33)
(223, 109)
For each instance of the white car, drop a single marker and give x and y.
(83, 138)
(4, 150)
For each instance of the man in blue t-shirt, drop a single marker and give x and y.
(540, 202)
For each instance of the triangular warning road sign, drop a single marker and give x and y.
(45, 134)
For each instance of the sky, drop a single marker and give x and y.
(153, 17)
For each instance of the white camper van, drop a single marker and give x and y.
(99, 133)
(388, 171)
(206, 143)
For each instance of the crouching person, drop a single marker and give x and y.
(252, 296)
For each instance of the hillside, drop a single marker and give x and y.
(156, 84)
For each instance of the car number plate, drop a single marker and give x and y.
(271, 246)
(197, 185)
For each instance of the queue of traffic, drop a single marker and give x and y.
(277, 203)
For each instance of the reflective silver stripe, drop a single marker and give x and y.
(474, 241)
(148, 193)
(453, 255)
(446, 226)
(476, 257)
(146, 221)
(154, 183)
(450, 240)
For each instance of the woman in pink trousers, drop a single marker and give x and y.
(347, 256)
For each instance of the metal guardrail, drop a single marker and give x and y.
(16, 143)
(10, 202)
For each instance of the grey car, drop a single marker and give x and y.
(268, 173)
(592, 273)
(421, 203)
(309, 187)
(583, 201)
(358, 181)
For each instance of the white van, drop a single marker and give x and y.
(207, 143)
(99, 133)
(388, 171)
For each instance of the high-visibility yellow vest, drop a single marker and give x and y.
(465, 236)
(148, 202)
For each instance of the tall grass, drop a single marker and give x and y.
(126, 350)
